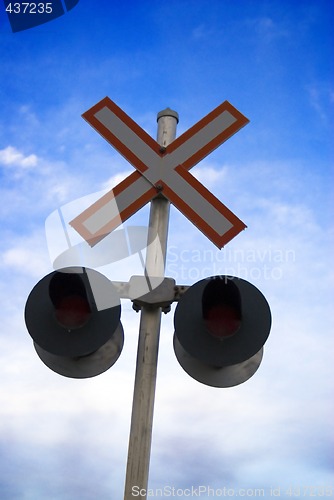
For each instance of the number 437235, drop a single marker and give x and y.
(29, 8)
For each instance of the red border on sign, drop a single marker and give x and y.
(126, 152)
(218, 239)
(137, 204)
(240, 122)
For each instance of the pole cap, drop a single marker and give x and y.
(168, 112)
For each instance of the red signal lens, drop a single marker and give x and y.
(221, 308)
(222, 321)
(73, 311)
(69, 296)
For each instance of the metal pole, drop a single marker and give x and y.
(149, 331)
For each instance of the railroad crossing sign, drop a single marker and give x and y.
(161, 170)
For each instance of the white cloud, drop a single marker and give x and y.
(25, 256)
(12, 157)
(27, 261)
(114, 180)
(209, 174)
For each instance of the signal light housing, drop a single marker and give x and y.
(73, 316)
(85, 366)
(221, 324)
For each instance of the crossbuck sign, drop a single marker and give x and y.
(161, 171)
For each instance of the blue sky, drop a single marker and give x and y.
(65, 439)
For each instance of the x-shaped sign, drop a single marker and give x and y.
(161, 170)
